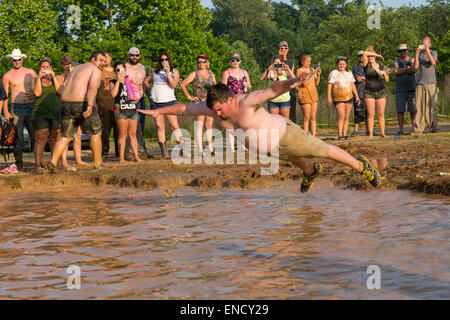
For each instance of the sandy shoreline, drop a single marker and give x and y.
(410, 163)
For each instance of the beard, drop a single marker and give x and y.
(133, 61)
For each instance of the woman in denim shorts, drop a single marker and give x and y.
(125, 112)
(279, 71)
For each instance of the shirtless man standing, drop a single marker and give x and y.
(295, 145)
(20, 81)
(137, 74)
(78, 109)
(67, 65)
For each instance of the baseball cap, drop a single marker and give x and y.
(66, 60)
(283, 43)
(235, 56)
(134, 50)
(203, 56)
(360, 53)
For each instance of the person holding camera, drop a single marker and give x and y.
(374, 95)
(279, 71)
(125, 112)
(307, 93)
(343, 84)
(426, 89)
(165, 79)
(46, 111)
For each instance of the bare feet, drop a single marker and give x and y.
(82, 163)
(139, 159)
(122, 161)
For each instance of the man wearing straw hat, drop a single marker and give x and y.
(406, 86)
(19, 81)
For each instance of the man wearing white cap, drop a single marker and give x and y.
(405, 94)
(137, 73)
(19, 82)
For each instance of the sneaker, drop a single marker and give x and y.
(308, 179)
(51, 167)
(370, 174)
(10, 169)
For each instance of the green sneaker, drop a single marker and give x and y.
(51, 167)
(308, 179)
(370, 174)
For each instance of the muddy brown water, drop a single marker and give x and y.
(190, 243)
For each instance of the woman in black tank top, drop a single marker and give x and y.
(374, 96)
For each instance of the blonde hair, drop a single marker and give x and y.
(196, 64)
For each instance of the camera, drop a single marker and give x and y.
(278, 65)
(422, 46)
(46, 71)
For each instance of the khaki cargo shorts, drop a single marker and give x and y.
(296, 143)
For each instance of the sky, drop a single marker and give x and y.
(390, 3)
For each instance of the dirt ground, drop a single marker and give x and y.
(421, 164)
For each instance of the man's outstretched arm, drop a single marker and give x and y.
(276, 89)
(186, 109)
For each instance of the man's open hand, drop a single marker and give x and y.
(153, 113)
(302, 77)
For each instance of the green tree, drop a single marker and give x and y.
(29, 26)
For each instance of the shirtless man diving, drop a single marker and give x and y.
(78, 109)
(295, 145)
(20, 82)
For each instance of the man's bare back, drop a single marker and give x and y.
(20, 83)
(78, 81)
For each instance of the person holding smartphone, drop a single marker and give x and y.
(308, 96)
(165, 79)
(125, 112)
(46, 111)
(279, 71)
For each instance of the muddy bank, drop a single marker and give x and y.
(419, 164)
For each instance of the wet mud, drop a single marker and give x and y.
(409, 163)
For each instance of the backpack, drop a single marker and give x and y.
(8, 135)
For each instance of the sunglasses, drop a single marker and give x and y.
(235, 60)
(203, 61)
(134, 55)
(17, 60)
(284, 48)
(45, 59)
(163, 59)
(402, 50)
(119, 70)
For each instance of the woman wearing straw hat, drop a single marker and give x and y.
(374, 96)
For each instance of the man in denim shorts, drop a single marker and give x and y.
(79, 109)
